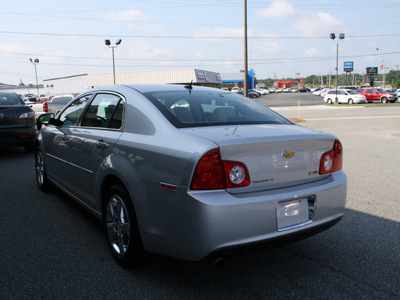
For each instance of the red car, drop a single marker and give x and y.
(376, 95)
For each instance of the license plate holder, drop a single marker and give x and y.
(293, 213)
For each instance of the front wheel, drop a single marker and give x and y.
(330, 101)
(351, 101)
(41, 175)
(121, 227)
(384, 100)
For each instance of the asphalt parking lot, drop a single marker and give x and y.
(52, 248)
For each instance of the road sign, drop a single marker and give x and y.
(372, 70)
(348, 66)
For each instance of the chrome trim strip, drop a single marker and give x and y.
(71, 164)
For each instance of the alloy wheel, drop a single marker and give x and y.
(118, 225)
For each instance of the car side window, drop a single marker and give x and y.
(105, 111)
(70, 116)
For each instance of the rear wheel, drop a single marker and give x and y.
(41, 175)
(121, 227)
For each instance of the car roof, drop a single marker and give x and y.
(144, 88)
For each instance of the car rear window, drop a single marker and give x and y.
(10, 100)
(193, 108)
(61, 100)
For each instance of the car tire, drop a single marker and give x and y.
(41, 174)
(121, 227)
(329, 101)
(384, 100)
(351, 101)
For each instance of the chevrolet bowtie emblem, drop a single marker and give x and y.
(288, 154)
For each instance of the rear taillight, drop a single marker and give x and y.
(28, 115)
(332, 160)
(45, 107)
(213, 173)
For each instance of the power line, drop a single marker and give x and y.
(186, 37)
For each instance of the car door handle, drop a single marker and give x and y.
(102, 144)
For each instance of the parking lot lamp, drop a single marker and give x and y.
(341, 37)
(108, 43)
(35, 62)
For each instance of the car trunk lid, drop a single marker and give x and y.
(275, 155)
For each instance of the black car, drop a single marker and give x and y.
(250, 94)
(17, 121)
(304, 90)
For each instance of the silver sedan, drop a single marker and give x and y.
(185, 171)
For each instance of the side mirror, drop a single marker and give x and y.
(44, 119)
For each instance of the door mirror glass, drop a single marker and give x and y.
(44, 120)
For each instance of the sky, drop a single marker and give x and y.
(286, 38)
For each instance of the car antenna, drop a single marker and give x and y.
(189, 87)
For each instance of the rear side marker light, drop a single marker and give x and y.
(169, 187)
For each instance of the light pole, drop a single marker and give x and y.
(341, 37)
(35, 62)
(108, 43)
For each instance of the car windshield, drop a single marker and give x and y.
(10, 100)
(205, 108)
(351, 92)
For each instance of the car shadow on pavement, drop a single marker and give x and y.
(357, 254)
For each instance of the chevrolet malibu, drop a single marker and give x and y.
(185, 171)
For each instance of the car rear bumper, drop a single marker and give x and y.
(209, 221)
(17, 136)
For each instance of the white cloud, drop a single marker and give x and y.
(277, 9)
(144, 51)
(126, 15)
(317, 24)
(312, 52)
(7, 49)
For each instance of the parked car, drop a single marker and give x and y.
(255, 91)
(304, 90)
(17, 121)
(250, 94)
(45, 98)
(344, 96)
(262, 91)
(57, 103)
(320, 92)
(376, 95)
(236, 89)
(185, 171)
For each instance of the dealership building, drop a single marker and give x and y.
(79, 83)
